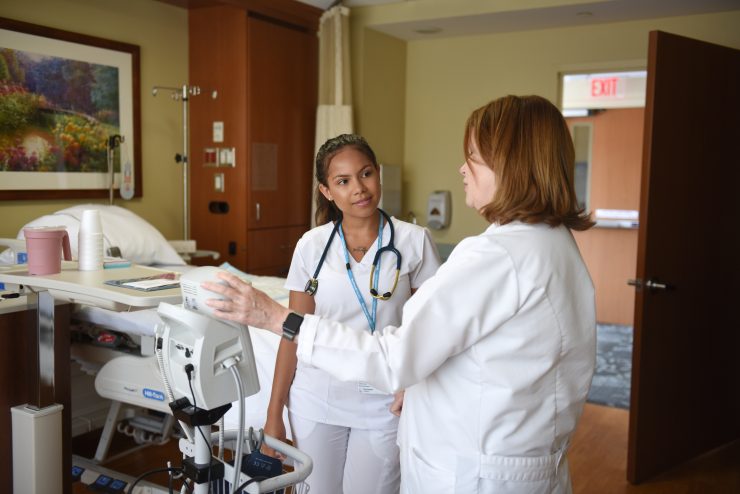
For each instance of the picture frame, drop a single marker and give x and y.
(67, 95)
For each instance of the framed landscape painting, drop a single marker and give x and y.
(63, 96)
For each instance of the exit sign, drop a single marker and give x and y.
(607, 87)
(604, 90)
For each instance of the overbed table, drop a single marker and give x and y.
(37, 464)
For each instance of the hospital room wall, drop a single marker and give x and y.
(379, 90)
(161, 32)
(445, 79)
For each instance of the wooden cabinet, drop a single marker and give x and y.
(282, 242)
(264, 65)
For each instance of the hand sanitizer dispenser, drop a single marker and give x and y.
(438, 209)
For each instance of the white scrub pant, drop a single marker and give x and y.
(353, 461)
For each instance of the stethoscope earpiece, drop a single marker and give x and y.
(385, 296)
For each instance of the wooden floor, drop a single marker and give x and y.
(598, 457)
(598, 461)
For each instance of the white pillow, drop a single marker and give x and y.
(138, 240)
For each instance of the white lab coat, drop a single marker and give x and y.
(496, 351)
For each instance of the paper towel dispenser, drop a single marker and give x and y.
(438, 209)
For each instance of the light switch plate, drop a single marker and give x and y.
(226, 157)
(218, 132)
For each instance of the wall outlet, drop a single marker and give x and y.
(219, 182)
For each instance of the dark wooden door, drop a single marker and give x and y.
(686, 367)
(283, 78)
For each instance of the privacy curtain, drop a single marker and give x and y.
(334, 114)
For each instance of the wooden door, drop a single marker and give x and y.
(686, 369)
(283, 78)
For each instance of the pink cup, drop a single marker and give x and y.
(45, 246)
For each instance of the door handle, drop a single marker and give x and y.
(257, 210)
(649, 284)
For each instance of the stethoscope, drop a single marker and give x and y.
(313, 283)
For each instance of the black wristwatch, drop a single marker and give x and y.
(292, 326)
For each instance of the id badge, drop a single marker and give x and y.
(365, 388)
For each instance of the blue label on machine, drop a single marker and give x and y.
(153, 394)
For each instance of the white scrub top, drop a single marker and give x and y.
(315, 394)
(496, 353)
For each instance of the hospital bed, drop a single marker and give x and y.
(117, 347)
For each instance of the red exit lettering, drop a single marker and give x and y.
(605, 87)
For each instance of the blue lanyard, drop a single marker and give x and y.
(370, 318)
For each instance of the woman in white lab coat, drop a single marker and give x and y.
(497, 350)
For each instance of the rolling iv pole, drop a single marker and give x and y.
(183, 94)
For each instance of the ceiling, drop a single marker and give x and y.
(425, 19)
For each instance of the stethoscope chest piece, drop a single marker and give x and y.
(312, 285)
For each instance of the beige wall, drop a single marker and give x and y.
(447, 78)
(161, 31)
(379, 91)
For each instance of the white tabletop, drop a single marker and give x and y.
(88, 287)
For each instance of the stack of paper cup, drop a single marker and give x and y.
(90, 241)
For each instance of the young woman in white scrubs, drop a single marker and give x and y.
(348, 428)
(497, 350)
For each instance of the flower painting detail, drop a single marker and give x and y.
(55, 113)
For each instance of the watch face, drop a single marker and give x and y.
(292, 325)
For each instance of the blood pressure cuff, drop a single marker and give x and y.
(258, 465)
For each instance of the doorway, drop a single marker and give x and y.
(610, 163)
(605, 113)
(613, 193)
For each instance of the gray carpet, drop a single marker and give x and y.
(611, 382)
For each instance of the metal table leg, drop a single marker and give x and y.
(37, 426)
(43, 392)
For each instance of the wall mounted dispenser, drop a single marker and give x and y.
(438, 209)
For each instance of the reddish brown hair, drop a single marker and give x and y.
(526, 142)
